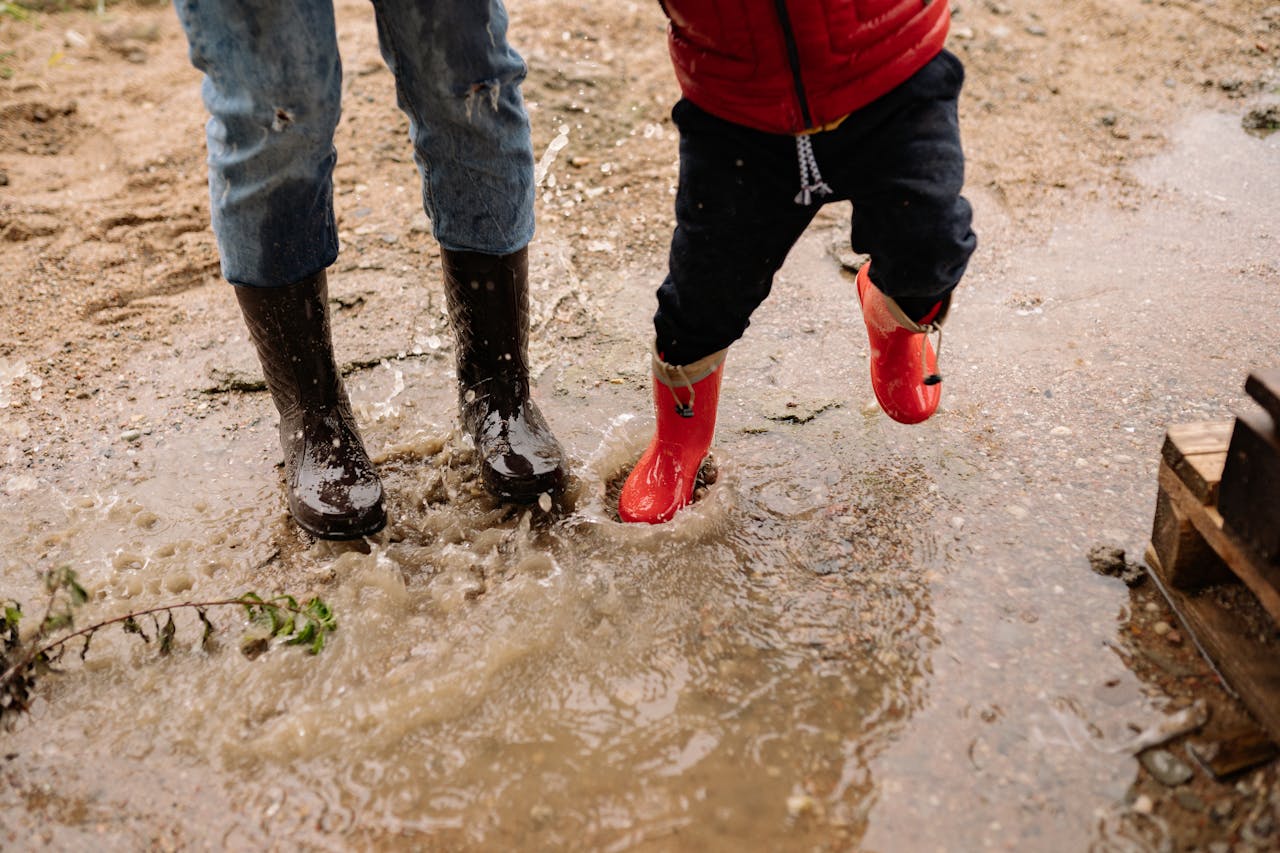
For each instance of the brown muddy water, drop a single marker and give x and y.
(864, 636)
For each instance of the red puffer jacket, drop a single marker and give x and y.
(785, 66)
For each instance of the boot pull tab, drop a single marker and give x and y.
(931, 328)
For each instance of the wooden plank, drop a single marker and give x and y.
(1264, 386)
(1249, 500)
(1262, 578)
(1197, 453)
(1199, 437)
(1230, 753)
(1188, 560)
(1247, 662)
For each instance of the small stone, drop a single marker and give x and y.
(1060, 430)
(1174, 638)
(131, 435)
(1166, 768)
(1161, 628)
(1189, 800)
(1143, 805)
(1110, 561)
(801, 804)
(1222, 810)
(1107, 560)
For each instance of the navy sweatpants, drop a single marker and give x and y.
(897, 160)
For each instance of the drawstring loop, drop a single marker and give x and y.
(811, 182)
(924, 330)
(931, 328)
(687, 375)
(684, 410)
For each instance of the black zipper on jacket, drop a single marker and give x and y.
(793, 56)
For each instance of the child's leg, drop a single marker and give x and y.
(736, 219)
(900, 162)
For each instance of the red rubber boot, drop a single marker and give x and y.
(904, 366)
(684, 401)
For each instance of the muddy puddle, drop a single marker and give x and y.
(864, 636)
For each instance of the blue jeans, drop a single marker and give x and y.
(898, 160)
(273, 83)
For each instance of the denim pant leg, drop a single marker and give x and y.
(458, 80)
(736, 220)
(273, 89)
(899, 160)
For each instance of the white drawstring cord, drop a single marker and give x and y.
(935, 377)
(808, 170)
(684, 410)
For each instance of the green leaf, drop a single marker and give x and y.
(306, 635)
(131, 626)
(78, 594)
(208, 627)
(57, 621)
(166, 634)
(251, 609)
(322, 613)
(13, 613)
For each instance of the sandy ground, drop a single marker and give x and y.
(104, 207)
(116, 322)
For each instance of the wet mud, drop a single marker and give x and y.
(861, 636)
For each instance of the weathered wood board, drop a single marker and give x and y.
(1199, 564)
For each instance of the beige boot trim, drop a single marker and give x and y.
(672, 375)
(910, 325)
(931, 328)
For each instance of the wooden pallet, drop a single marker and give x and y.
(1223, 590)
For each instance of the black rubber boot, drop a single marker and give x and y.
(334, 492)
(488, 297)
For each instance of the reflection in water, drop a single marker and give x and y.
(504, 676)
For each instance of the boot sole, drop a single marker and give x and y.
(332, 533)
(523, 491)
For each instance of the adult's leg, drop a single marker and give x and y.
(458, 80)
(272, 85)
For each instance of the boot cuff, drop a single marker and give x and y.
(901, 318)
(672, 375)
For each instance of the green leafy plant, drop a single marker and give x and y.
(14, 10)
(22, 661)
